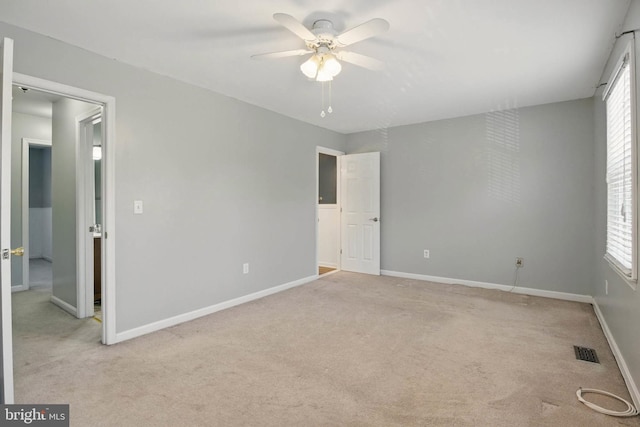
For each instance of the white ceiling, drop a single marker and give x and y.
(444, 58)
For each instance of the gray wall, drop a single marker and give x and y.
(23, 126)
(63, 174)
(621, 307)
(327, 179)
(223, 183)
(40, 177)
(480, 191)
(40, 218)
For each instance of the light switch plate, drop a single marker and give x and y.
(137, 207)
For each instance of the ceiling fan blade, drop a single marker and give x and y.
(363, 31)
(293, 25)
(283, 54)
(360, 60)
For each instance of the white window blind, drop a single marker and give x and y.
(620, 175)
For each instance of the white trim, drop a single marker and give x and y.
(186, 317)
(329, 151)
(26, 143)
(614, 266)
(18, 288)
(588, 299)
(338, 155)
(108, 185)
(622, 364)
(64, 305)
(108, 168)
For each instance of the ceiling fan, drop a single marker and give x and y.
(325, 45)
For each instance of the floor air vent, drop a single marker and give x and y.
(586, 354)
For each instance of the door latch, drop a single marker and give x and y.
(6, 253)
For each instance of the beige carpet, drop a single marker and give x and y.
(347, 349)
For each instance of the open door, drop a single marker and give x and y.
(6, 340)
(89, 225)
(360, 182)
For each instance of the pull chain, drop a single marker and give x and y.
(330, 110)
(322, 113)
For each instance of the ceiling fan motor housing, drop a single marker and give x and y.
(325, 35)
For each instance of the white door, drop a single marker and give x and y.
(360, 182)
(6, 341)
(86, 219)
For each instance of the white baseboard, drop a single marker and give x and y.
(622, 364)
(172, 321)
(65, 306)
(18, 288)
(509, 288)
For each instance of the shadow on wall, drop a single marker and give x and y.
(503, 155)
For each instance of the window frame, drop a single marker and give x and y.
(628, 56)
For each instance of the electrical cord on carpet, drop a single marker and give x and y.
(630, 411)
(515, 280)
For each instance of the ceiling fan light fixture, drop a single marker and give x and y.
(323, 75)
(330, 65)
(323, 42)
(310, 67)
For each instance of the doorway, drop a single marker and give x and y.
(84, 112)
(348, 212)
(327, 210)
(52, 214)
(36, 212)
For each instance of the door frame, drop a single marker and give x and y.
(108, 104)
(26, 144)
(337, 154)
(85, 215)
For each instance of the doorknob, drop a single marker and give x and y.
(374, 219)
(17, 251)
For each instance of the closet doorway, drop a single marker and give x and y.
(327, 210)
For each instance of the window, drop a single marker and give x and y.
(621, 165)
